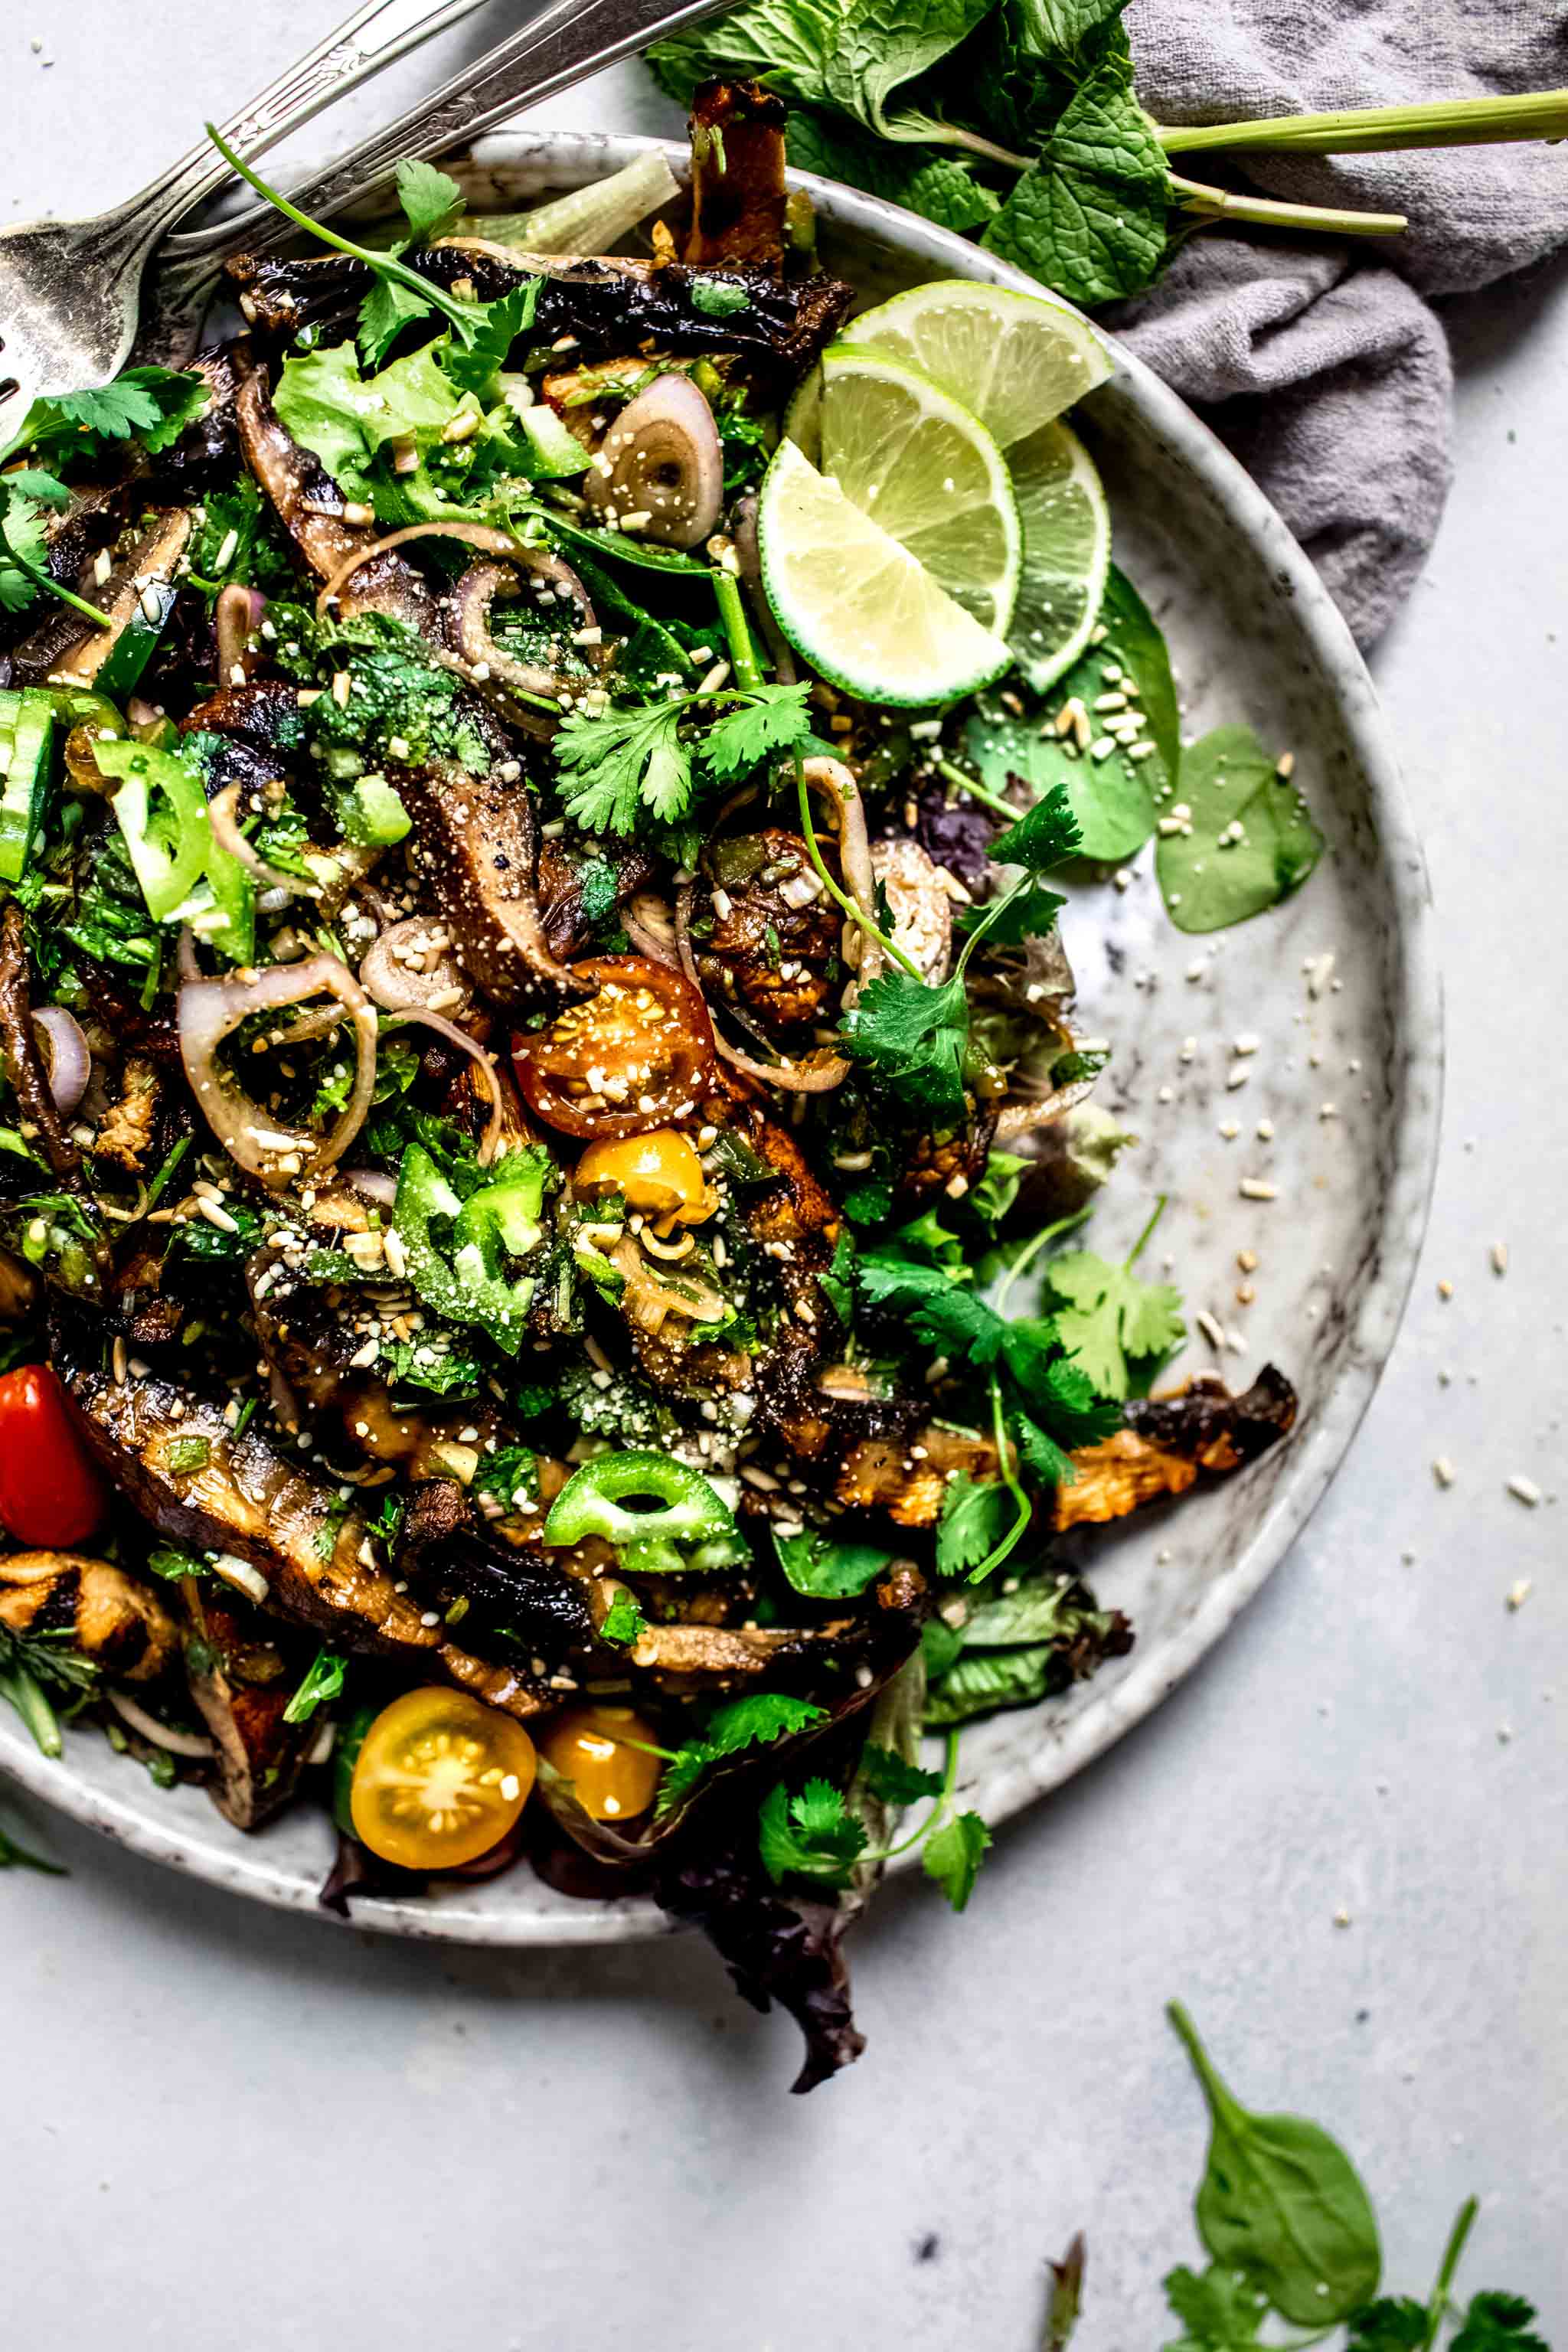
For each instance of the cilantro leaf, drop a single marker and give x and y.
(500, 324)
(385, 311)
(1029, 913)
(893, 1779)
(975, 1515)
(827, 1570)
(1211, 876)
(28, 482)
(756, 1721)
(432, 203)
(1498, 2323)
(936, 1308)
(621, 761)
(952, 1855)
(323, 1680)
(771, 718)
(1046, 836)
(1391, 2324)
(1107, 1314)
(718, 298)
(1041, 1454)
(914, 1037)
(838, 1283)
(811, 1834)
(1219, 2309)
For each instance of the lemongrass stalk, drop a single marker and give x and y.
(1373, 129)
(1261, 212)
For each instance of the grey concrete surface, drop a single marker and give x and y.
(226, 2127)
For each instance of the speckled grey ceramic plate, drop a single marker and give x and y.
(1337, 1111)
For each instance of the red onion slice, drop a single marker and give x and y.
(211, 1010)
(833, 780)
(473, 534)
(476, 1052)
(375, 1183)
(661, 460)
(68, 1064)
(400, 985)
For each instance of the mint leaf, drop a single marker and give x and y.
(785, 43)
(1091, 219)
(953, 1854)
(881, 45)
(1059, 30)
(1210, 877)
(943, 188)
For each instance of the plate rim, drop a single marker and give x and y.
(450, 1916)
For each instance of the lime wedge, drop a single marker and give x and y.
(852, 600)
(912, 458)
(1066, 552)
(1013, 360)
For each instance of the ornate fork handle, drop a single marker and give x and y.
(374, 38)
(565, 42)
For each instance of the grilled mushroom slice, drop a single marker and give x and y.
(478, 841)
(121, 1625)
(241, 1688)
(738, 192)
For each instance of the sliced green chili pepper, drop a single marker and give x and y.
(466, 1279)
(128, 657)
(26, 745)
(161, 809)
(345, 1756)
(687, 1511)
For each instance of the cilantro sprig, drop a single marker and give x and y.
(619, 763)
(1105, 1316)
(815, 1832)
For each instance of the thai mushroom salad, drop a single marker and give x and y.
(543, 1133)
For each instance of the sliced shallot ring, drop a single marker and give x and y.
(833, 780)
(376, 1185)
(667, 431)
(460, 1038)
(475, 592)
(177, 1743)
(473, 534)
(209, 1009)
(67, 1061)
(658, 945)
(236, 617)
(227, 836)
(748, 555)
(395, 985)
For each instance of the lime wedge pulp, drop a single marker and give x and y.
(856, 603)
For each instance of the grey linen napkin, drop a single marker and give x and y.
(1322, 362)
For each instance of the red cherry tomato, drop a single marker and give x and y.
(635, 1054)
(50, 1492)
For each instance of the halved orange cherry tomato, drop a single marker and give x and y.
(613, 1781)
(440, 1778)
(635, 1055)
(658, 1173)
(51, 1493)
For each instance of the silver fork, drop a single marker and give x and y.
(69, 290)
(563, 43)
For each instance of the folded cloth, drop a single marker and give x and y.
(1322, 363)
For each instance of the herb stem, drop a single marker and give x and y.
(1195, 198)
(1373, 129)
(1021, 1505)
(737, 630)
(40, 579)
(982, 793)
(25, 1694)
(941, 1805)
(1046, 1235)
(850, 907)
(1136, 1251)
(1438, 2305)
(384, 265)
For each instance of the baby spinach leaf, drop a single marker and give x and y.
(1211, 876)
(1281, 2201)
(1091, 218)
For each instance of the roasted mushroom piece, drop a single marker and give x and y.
(117, 1623)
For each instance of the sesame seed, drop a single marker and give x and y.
(1211, 1327)
(1525, 1491)
(1444, 1471)
(1500, 1257)
(1518, 1594)
(1444, 1288)
(1253, 1188)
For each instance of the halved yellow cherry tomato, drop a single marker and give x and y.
(440, 1778)
(660, 1174)
(613, 1781)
